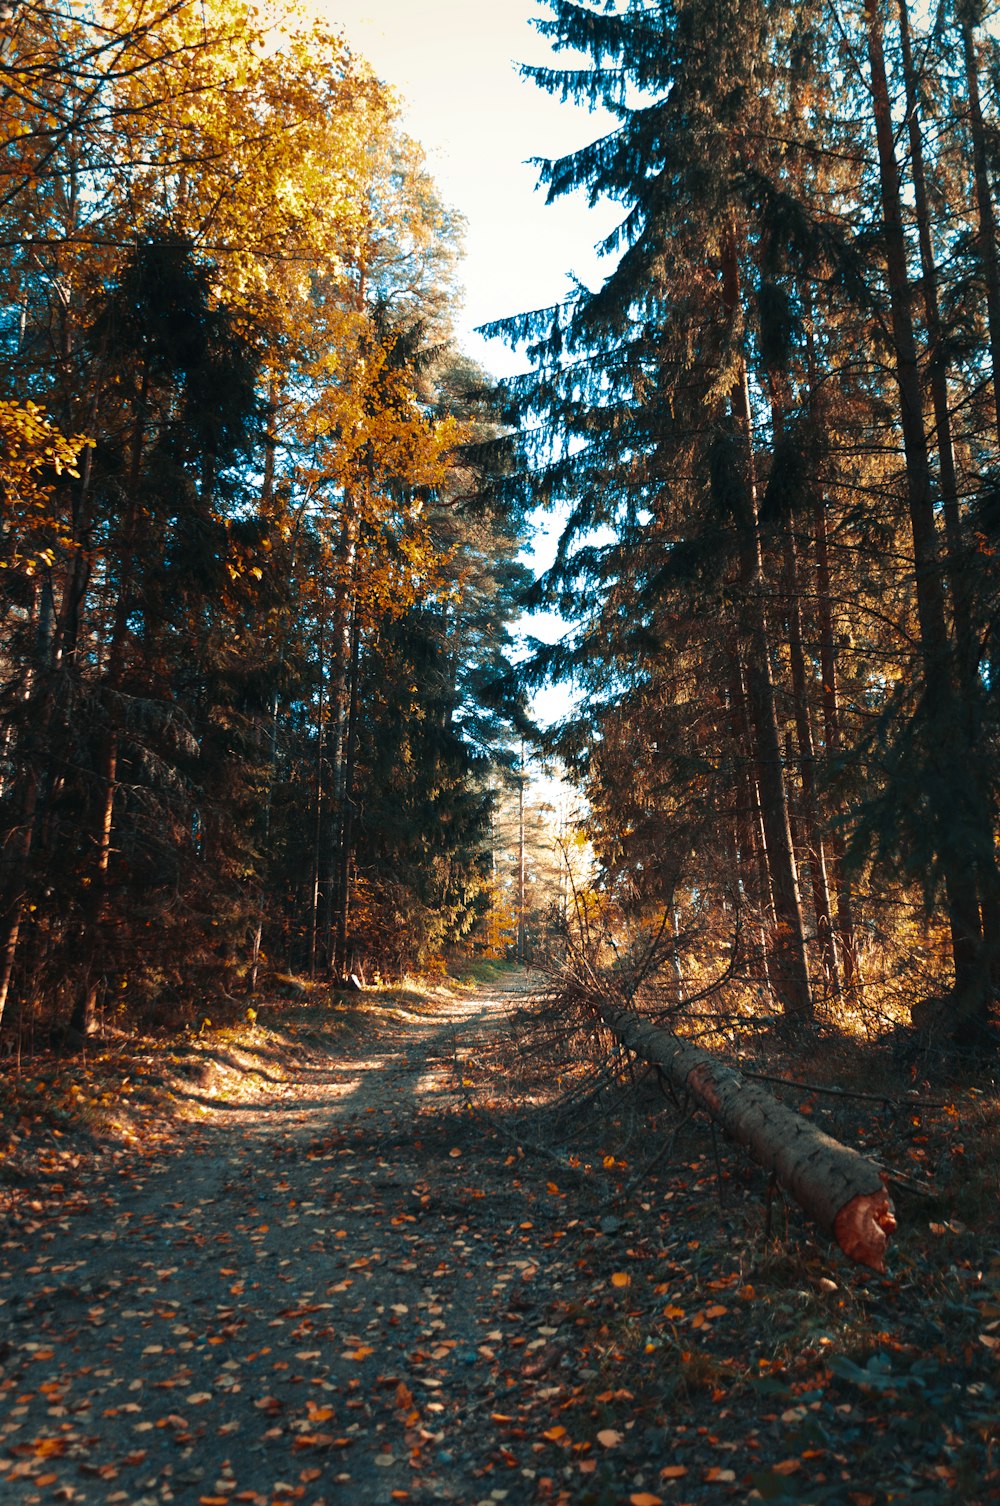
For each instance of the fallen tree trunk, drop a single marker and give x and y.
(843, 1191)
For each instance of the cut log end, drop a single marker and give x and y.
(862, 1228)
(843, 1191)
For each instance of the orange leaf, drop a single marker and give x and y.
(715, 1312)
(47, 1448)
(313, 1440)
(644, 1498)
(673, 1472)
(554, 1434)
(620, 1278)
(610, 1437)
(673, 1312)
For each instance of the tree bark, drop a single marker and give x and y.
(344, 596)
(846, 932)
(791, 968)
(959, 576)
(82, 1019)
(839, 1188)
(14, 888)
(938, 372)
(814, 844)
(952, 793)
(345, 853)
(750, 866)
(986, 240)
(319, 849)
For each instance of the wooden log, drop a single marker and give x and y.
(844, 1192)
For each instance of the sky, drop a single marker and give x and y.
(454, 64)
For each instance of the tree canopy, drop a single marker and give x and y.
(772, 431)
(255, 603)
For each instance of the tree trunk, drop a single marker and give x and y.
(346, 846)
(752, 878)
(811, 840)
(938, 371)
(319, 849)
(340, 695)
(14, 888)
(846, 932)
(82, 1019)
(791, 968)
(986, 240)
(843, 1191)
(815, 846)
(956, 812)
(986, 246)
(521, 948)
(265, 853)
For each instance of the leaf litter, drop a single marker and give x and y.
(362, 1280)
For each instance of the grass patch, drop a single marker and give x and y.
(481, 970)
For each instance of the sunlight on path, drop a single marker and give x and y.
(298, 1301)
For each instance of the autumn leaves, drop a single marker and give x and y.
(234, 569)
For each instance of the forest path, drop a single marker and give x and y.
(321, 1293)
(318, 1277)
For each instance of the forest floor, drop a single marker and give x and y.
(363, 1255)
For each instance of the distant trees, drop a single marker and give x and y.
(772, 428)
(253, 600)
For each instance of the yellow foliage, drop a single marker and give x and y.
(34, 455)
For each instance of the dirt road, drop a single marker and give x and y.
(342, 1285)
(311, 1296)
